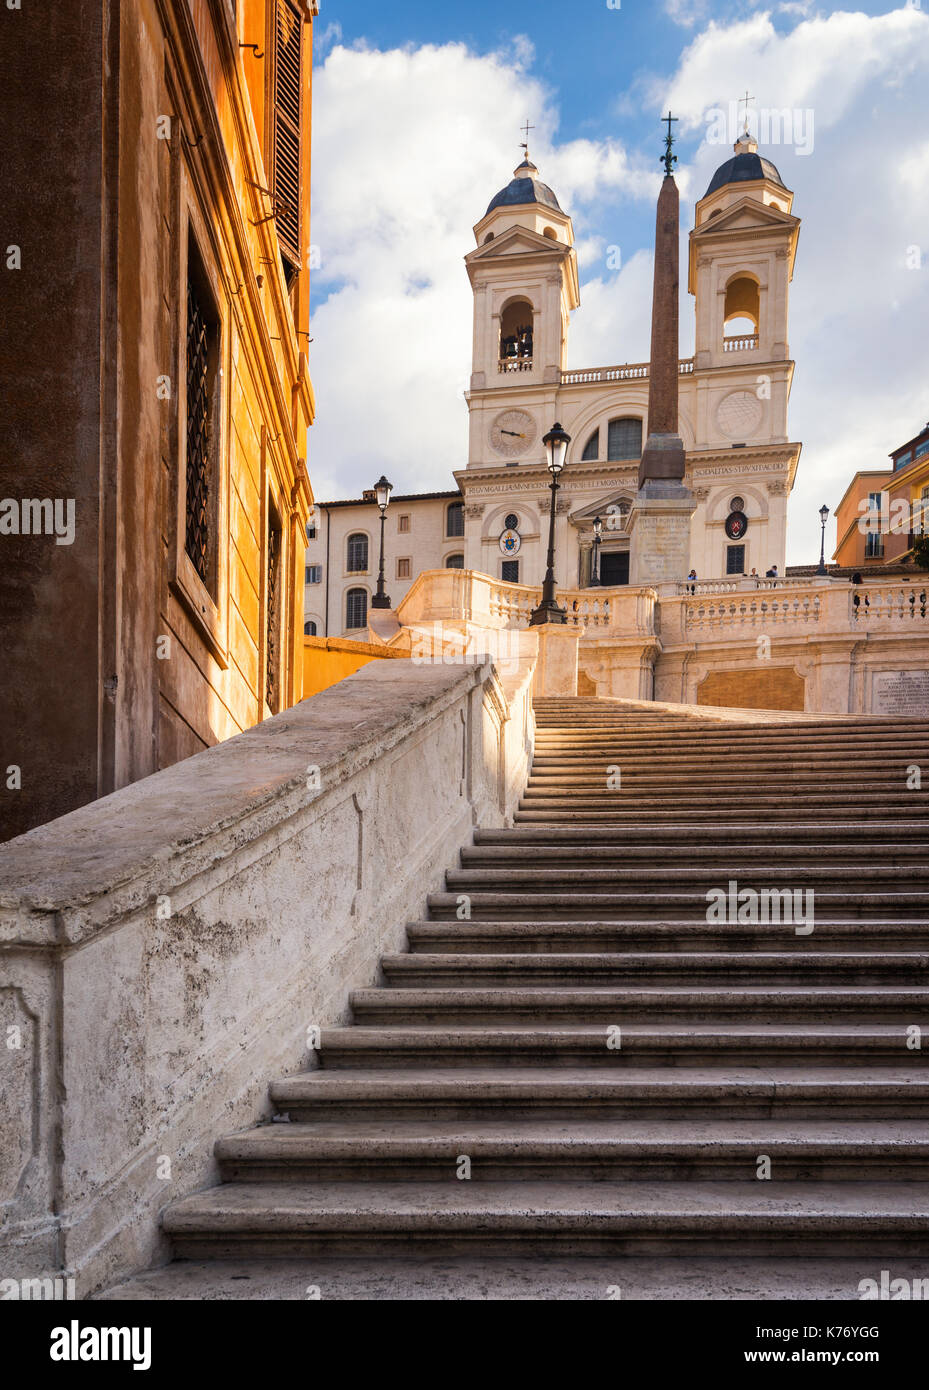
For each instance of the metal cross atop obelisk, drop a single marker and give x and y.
(668, 158)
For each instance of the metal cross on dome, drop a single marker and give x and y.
(668, 158)
(526, 129)
(743, 101)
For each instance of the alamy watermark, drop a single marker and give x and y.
(38, 516)
(735, 905)
(785, 125)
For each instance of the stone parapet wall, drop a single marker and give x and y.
(167, 950)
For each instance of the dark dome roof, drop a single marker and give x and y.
(525, 188)
(744, 168)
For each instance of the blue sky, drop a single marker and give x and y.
(417, 110)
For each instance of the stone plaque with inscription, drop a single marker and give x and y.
(901, 692)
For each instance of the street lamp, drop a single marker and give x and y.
(824, 517)
(556, 447)
(595, 563)
(382, 491)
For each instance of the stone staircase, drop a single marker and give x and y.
(492, 1046)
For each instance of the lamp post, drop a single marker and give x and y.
(556, 447)
(382, 491)
(595, 563)
(824, 517)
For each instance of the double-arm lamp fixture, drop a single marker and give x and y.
(556, 447)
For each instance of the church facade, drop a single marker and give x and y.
(734, 391)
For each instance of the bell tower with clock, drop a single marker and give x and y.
(523, 274)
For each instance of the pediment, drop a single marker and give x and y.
(620, 499)
(746, 214)
(517, 241)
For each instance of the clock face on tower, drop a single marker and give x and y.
(512, 433)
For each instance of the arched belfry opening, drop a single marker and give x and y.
(742, 311)
(516, 325)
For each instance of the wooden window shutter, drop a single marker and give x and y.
(288, 52)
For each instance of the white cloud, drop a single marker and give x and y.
(687, 12)
(394, 203)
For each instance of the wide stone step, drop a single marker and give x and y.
(642, 1004)
(686, 836)
(862, 876)
(689, 799)
(670, 1045)
(535, 937)
(676, 967)
(525, 1150)
(718, 1092)
(801, 857)
(880, 1219)
(699, 815)
(686, 906)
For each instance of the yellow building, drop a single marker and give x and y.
(158, 334)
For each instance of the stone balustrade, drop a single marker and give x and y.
(626, 371)
(745, 342)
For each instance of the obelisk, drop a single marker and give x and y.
(660, 521)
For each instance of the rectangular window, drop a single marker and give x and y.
(272, 613)
(922, 449)
(403, 523)
(873, 545)
(903, 460)
(404, 568)
(509, 571)
(314, 574)
(202, 359)
(455, 519)
(288, 94)
(311, 530)
(624, 439)
(735, 559)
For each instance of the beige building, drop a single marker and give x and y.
(734, 391)
(423, 531)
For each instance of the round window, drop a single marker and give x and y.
(512, 522)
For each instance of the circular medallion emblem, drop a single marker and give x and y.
(736, 525)
(510, 542)
(739, 415)
(512, 433)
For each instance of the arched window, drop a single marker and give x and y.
(454, 519)
(356, 608)
(592, 447)
(625, 439)
(357, 562)
(454, 562)
(516, 337)
(309, 629)
(742, 311)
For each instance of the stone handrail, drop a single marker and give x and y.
(745, 342)
(168, 950)
(781, 606)
(626, 371)
(467, 596)
(735, 584)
